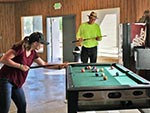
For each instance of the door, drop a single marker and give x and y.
(69, 34)
(54, 37)
(61, 31)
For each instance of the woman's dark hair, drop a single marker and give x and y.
(25, 43)
(28, 40)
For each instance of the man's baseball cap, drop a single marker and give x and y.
(93, 14)
(39, 37)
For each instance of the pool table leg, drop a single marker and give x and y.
(72, 102)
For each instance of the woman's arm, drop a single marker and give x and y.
(7, 60)
(41, 62)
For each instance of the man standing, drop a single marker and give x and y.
(89, 33)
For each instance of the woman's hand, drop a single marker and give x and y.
(64, 65)
(24, 67)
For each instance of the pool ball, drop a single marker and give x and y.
(102, 74)
(82, 70)
(105, 77)
(112, 67)
(94, 67)
(117, 74)
(89, 67)
(97, 70)
(93, 70)
(101, 69)
(86, 67)
(96, 74)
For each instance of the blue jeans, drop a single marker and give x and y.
(8, 92)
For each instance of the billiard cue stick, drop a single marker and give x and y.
(87, 39)
(48, 65)
(42, 66)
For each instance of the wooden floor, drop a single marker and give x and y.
(104, 59)
(45, 93)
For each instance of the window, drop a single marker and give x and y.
(31, 24)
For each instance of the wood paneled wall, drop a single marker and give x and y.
(10, 14)
(7, 26)
(10, 1)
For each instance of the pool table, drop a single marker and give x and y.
(87, 90)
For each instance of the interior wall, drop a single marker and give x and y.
(10, 14)
(7, 26)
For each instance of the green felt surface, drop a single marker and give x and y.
(88, 78)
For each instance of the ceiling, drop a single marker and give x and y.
(6, 1)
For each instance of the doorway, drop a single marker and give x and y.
(60, 33)
(54, 37)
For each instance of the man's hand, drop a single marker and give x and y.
(79, 43)
(98, 38)
(80, 40)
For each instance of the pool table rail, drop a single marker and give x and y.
(89, 98)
